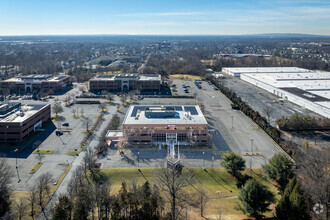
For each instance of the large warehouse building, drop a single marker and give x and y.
(237, 71)
(307, 88)
(46, 83)
(18, 121)
(125, 82)
(169, 125)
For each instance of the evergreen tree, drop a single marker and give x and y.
(292, 204)
(255, 198)
(279, 168)
(62, 210)
(232, 162)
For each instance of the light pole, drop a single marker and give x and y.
(232, 122)
(19, 180)
(138, 159)
(203, 160)
(252, 146)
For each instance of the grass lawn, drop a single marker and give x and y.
(185, 77)
(36, 167)
(220, 185)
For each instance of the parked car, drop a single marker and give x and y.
(233, 106)
(65, 124)
(59, 133)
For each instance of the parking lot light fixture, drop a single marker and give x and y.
(18, 179)
(138, 159)
(203, 160)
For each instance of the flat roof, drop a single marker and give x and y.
(164, 114)
(111, 133)
(150, 77)
(315, 82)
(22, 113)
(306, 95)
(36, 78)
(127, 75)
(266, 69)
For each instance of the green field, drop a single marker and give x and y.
(220, 185)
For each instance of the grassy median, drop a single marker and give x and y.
(43, 151)
(36, 167)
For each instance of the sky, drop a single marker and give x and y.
(164, 17)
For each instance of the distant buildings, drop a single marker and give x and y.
(46, 83)
(17, 122)
(170, 125)
(125, 82)
(307, 88)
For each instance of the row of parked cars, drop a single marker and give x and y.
(212, 86)
(15, 97)
(185, 88)
(198, 84)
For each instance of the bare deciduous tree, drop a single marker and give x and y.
(20, 209)
(73, 111)
(32, 199)
(42, 186)
(82, 88)
(75, 181)
(109, 97)
(82, 112)
(5, 190)
(313, 171)
(202, 200)
(268, 112)
(87, 123)
(89, 161)
(172, 182)
(57, 108)
(103, 107)
(67, 99)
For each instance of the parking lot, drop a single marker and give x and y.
(235, 131)
(259, 99)
(48, 140)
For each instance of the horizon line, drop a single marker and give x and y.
(213, 35)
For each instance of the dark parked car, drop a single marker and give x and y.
(233, 106)
(59, 133)
(65, 124)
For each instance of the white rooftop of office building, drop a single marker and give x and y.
(164, 114)
(22, 113)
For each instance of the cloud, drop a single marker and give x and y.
(159, 14)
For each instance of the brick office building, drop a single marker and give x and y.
(17, 122)
(165, 125)
(41, 83)
(125, 82)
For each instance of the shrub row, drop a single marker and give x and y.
(303, 122)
